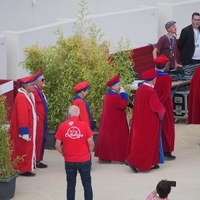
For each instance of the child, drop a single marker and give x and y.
(162, 191)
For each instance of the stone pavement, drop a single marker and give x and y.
(116, 181)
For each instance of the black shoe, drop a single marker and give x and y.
(41, 165)
(27, 174)
(155, 167)
(168, 156)
(133, 168)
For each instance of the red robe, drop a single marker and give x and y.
(163, 89)
(41, 131)
(85, 114)
(113, 133)
(143, 147)
(23, 121)
(194, 99)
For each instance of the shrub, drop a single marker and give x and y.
(75, 59)
(6, 164)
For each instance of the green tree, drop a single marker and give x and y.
(75, 59)
(7, 165)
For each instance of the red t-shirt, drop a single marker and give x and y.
(74, 134)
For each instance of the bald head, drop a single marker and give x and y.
(73, 111)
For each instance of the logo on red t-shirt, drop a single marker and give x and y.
(74, 133)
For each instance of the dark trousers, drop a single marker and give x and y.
(84, 169)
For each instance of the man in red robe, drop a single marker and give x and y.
(79, 100)
(143, 147)
(113, 131)
(194, 99)
(42, 113)
(23, 127)
(163, 89)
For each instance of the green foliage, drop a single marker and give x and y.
(78, 58)
(6, 165)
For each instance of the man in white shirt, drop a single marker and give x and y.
(189, 42)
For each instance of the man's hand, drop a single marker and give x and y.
(178, 66)
(121, 89)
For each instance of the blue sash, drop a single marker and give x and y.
(161, 153)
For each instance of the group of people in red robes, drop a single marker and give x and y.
(149, 141)
(28, 124)
(151, 138)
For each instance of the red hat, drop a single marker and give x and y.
(149, 75)
(161, 61)
(81, 86)
(114, 80)
(28, 79)
(38, 74)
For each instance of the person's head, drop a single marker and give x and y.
(170, 26)
(149, 76)
(28, 83)
(163, 188)
(114, 83)
(39, 79)
(160, 62)
(195, 20)
(116, 87)
(73, 111)
(82, 88)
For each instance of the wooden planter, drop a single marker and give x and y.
(50, 140)
(95, 138)
(7, 188)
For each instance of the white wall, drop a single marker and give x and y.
(18, 15)
(129, 24)
(21, 22)
(115, 26)
(3, 57)
(18, 40)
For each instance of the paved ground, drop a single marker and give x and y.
(116, 181)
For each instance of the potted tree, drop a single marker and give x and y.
(8, 174)
(75, 59)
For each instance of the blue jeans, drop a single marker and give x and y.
(84, 168)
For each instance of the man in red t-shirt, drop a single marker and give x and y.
(74, 140)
